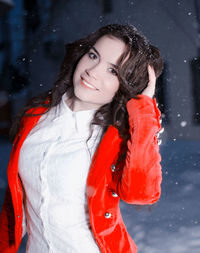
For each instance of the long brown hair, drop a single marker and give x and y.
(132, 75)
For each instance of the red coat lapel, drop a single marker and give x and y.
(12, 171)
(106, 154)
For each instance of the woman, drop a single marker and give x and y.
(83, 146)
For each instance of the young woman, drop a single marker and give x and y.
(84, 145)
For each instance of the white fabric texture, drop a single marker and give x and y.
(53, 165)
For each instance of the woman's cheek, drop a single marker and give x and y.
(114, 86)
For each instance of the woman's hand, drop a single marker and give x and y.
(150, 89)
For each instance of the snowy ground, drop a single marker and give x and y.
(173, 224)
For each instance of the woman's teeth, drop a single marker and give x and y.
(89, 85)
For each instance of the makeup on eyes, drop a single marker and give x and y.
(115, 67)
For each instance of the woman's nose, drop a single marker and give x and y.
(93, 71)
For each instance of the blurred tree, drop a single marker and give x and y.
(195, 69)
(32, 20)
(106, 6)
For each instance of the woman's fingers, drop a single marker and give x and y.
(150, 89)
(152, 76)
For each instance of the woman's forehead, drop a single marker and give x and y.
(110, 48)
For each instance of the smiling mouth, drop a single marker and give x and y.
(88, 85)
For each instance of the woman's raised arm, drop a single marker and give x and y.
(140, 181)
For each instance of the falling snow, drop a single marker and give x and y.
(183, 123)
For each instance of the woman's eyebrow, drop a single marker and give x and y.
(95, 50)
(115, 66)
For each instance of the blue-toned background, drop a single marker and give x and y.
(32, 38)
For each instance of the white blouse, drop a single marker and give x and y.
(53, 165)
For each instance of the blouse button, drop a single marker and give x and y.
(113, 167)
(114, 194)
(107, 215)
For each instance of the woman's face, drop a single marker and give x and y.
(95, 78)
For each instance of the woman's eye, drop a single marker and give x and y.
(113, 71)
(92, 55)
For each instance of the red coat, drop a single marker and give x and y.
(135, 180)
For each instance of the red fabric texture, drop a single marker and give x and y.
(135, 180)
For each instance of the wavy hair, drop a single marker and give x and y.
(132, 74)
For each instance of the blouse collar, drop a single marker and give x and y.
(81, 119)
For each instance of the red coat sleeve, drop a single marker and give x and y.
(140, 180)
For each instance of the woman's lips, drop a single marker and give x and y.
(87, 85)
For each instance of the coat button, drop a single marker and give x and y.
(113, 167)
(114, 194)
(18, 216)
(107, 215)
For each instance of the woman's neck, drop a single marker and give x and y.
(76, 104)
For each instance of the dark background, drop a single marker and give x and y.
(32, 38)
